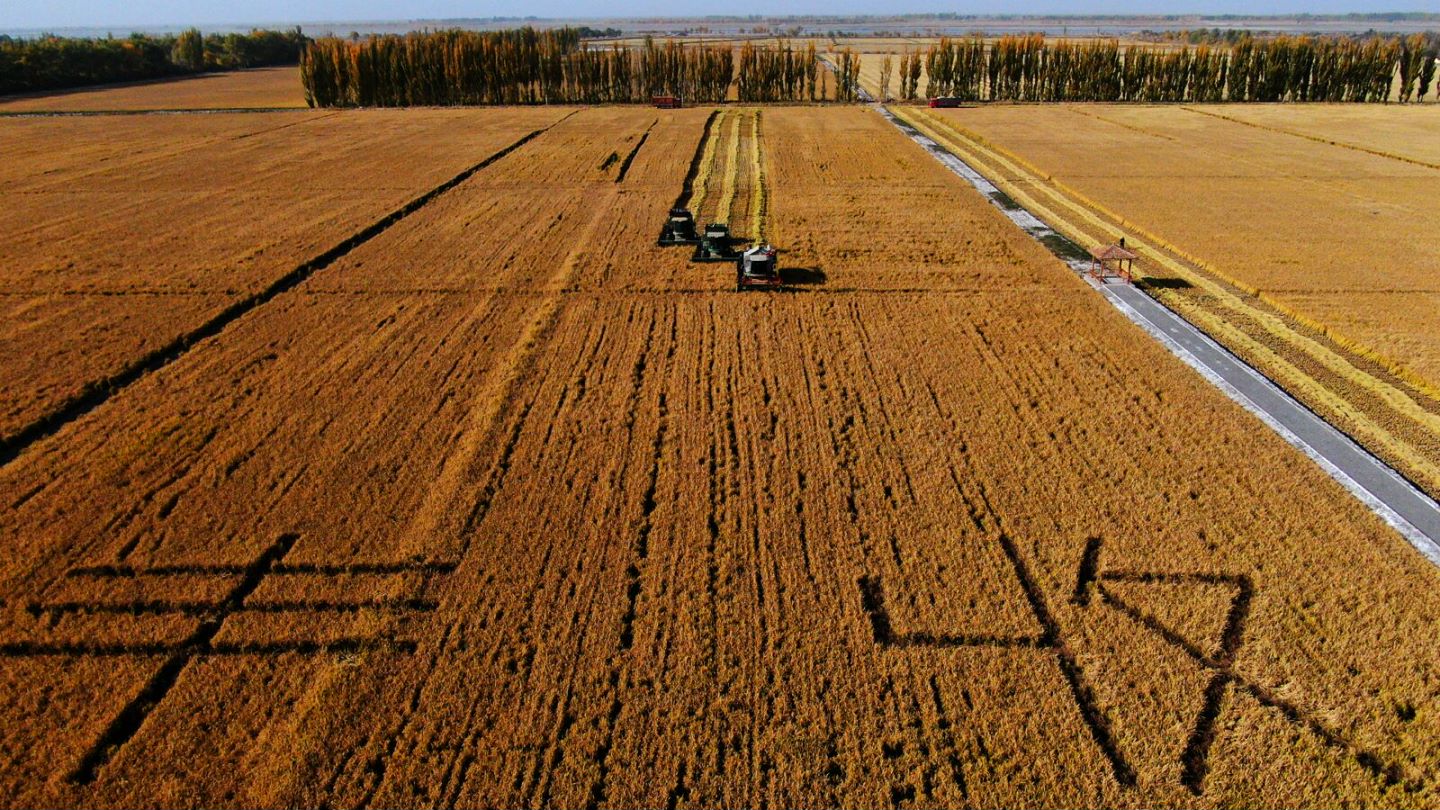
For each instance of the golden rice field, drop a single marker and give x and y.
(481, 498)
(1306, 257)
(277, 87)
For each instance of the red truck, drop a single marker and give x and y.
(945, 101)
(667, 102)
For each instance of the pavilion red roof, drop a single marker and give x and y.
(1108, 252)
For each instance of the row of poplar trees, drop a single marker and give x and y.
(529, 66)
(1027, 68)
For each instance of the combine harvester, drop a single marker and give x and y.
(715, 244)
(755, 267)
(679, 229)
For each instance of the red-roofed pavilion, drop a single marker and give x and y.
(1112, 261)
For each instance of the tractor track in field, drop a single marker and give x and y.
(1383, 490)
(630, 158)
(98, 392)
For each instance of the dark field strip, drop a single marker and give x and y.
(630, 158)
(127, 724)
(203, 639)
(339, 646)
(1195, 759)
(872, 600)
(127, 571)
(159, 606)
(687, 188)
(99, 392)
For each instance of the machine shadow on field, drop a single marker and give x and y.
(1163, 284)
(802, 276)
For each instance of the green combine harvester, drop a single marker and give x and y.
(715, 245)
(679, 229)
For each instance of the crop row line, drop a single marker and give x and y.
(630, 157)
(759, 195)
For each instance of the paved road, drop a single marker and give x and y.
(1413, 514)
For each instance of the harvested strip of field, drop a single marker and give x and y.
(601, 534)
(149, 246)
(1387, 407)
(728, 186)
(276, 87)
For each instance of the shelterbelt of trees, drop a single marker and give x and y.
(529, 66)
(1278, 69)
(55, 63)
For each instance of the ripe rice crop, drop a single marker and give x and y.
(1328, 315)
(508, 506)
(213, 212)
(732, 157)
(276, 87)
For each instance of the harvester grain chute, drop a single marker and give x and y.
(679, 229)
(757, 268)
(715, 245)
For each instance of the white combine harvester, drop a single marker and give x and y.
(757, 267)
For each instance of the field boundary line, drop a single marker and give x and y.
(1316, 138)
(1427, 543)
(98, 392)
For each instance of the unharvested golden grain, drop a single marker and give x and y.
(270, 88)
(1402, 429)
(142, 228)
(758, 193)
(662, 509)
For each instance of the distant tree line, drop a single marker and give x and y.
(777, 73)
(552, 66)
(586, 32)
(1028, 68)
(55, 63)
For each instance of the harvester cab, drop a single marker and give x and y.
(757, 267)
(679, 229)
(714, 245)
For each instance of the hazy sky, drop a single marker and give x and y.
(18, 14)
